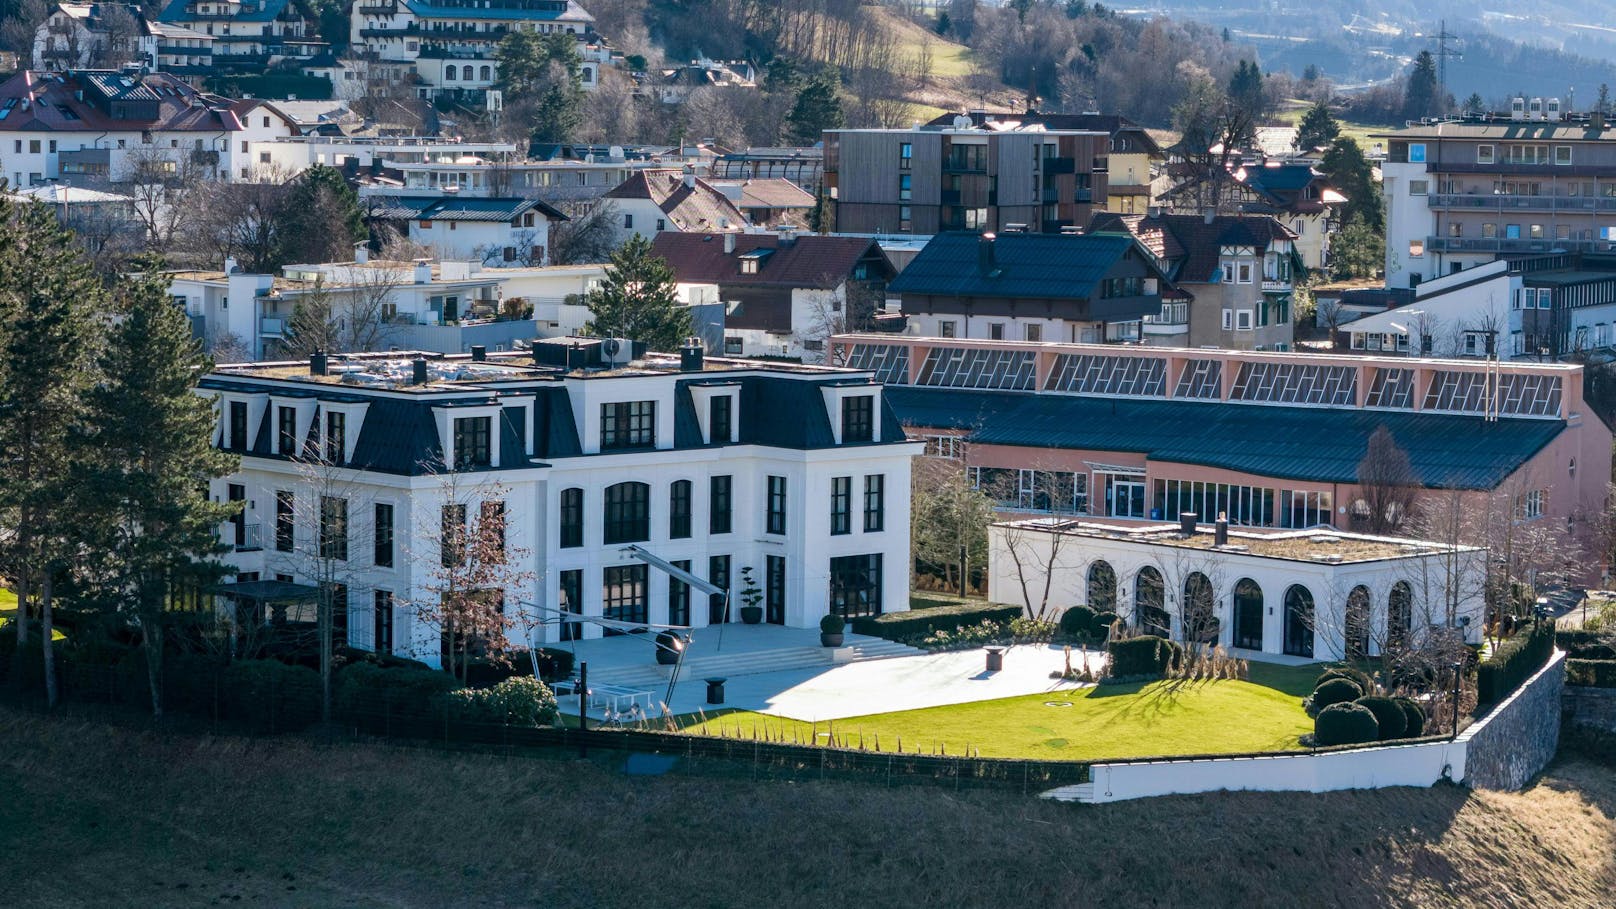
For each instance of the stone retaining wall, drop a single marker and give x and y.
(1518, 738)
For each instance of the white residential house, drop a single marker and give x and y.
(668, 199)
(797, 476)
(1314, 594)
(492, 231)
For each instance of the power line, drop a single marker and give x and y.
(1443, 52)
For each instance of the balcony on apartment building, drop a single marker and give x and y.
(1515, 202)
(1516, 245)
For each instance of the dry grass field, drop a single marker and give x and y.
(98, 815)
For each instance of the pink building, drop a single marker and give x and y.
(1270, 439)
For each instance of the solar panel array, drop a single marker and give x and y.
(889, 362)
(1391, 388)
(978, 368)
(1296, 383)
(1102, 375)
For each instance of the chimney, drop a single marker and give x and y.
(788, 235)
(1220, 530)
(729, 244)
(575, 356)
(986, 263)
(317, 363)
(690, 355)
(690, 178)
(419, 376)
(361, 253)
(229, 265)
(1596, 120)
(479, 353)
(1208, 216)
(1186, 524)
(423, 271)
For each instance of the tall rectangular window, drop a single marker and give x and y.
(382, 621)
(679, 495)
(333, 528)
(718, 576)
(627, 424)
(384, 535)
(623, 595)
(855, 585)
(285, 528)
(875, 502)
(473, 442)
(572, 600)
(858, 418)
(336, 437)
(491, 530)
(628, 513)
(286, 431)
(841, 505)
(906, 155)
(774, 590)
(238, 425)
(905, 187)
(777, 505)
(679, 596)
(452, 542)
(572, 518)
(720, 419)
(720, 504)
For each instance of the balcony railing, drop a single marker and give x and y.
(1515, 245)
(1508, 202)
(273, 327)
(245, 537)
(1276, 286)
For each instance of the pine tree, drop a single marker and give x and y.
(1246, 89)
(1348, 172)
(1318, 128)
(49, 297)
(637, 299)
(1420, 98)
(323, 217)
(818, 108)
(1357, 250)
(146, 462)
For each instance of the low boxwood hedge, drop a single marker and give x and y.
(271, 696)
(1514, 661)
(366, 690)
(517, 701)
(1591, 673)
(1346, 724)
(1146, 655)
(900, 626)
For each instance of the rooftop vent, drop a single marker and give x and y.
(690, 355)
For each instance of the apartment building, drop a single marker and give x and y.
(965, 178)
(362, 472)
(248, 36)
(1461, 193)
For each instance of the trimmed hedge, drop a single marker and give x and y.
(1355, 676)
(916, 623)
(1591, 673)
(1146, 655)
(1334, 691)
(270, 695)
(1077, 622)
(366, 689)
(517, 701)
(1413, 718)
(1388, 716)
(1346, 724)
(1514, 661)
(1586, 645)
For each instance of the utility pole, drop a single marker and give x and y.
(1443, 52)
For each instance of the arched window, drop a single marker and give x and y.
(1200, 623)
(1248, 614)
(628, 513)
(469, 72)
(588, 74)
(1299, 621)
(486, 73)
(1149, 603)
(449, 73)
(1399, 616)
(1102, 587)
(1357, 623)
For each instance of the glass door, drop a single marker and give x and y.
(1125, 496)
(775, 591)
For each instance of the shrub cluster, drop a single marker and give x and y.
(1388, 713)
(1591, 673)
(1345, 724)
(917, 623)
(1348, 710)
(517, 701)
(271, 695)
(1587, 645)
(1332, 691)
(368, 690)
(1019, 630)
(1146, 656)
(1514, 661)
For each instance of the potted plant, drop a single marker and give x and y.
(751, 598)
(830, 630)
(668, 646)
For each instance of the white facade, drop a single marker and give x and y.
(295, 153)
(555, 466)
(1444, 583)
(1408, 224)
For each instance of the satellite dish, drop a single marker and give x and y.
(611, 346)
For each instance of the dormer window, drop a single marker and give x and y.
(858, 418)
(473, 442)
(752, 262)
(720, 419)
(238, 425)
(627, 424)
(336, 436)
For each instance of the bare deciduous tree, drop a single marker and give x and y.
(1387, 484)
(588, 235)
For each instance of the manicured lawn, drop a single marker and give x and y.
(1111, 721)
(8, 608)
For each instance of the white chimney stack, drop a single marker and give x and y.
(423, 271)
(361, 253)
(729, 244)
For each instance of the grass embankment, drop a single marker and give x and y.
(1107, 722)
(92, 815)
(1293, 111)
(8, 609)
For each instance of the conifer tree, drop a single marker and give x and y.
(49, 297)
(146, 461)
(637, 299)
(818, 108)
(1318, 128)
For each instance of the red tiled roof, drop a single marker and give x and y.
(37, 101)
(811, 261)
(698, 207)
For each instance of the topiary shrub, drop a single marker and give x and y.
(831, 623)
(271, 696)
(1356, 676)
(1345, 724)
(1334, 691)
(1174, 657)
(1144, 656)
(1102, 624)
(517, 701)
(1077, 622)
(1413, 718)
(1388, 715)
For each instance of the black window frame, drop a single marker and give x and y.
(382, 622)
(473, 442)
(286, 431)
(720, 504)
(719, 574)
(774, 589)
(776, 501)
(334, 442)
(570, 598)
(491, 519)
(238, 426)
(841, 506)
(614, 604)
(285, 520)
(681, 495)
(858, 418)
(875, 502)
(333, 537)
(572, 518)
(627, 425)
(679, 596)
(852, 600)
(382, 535)
(721, 419)
(626, 513)
(452, 535)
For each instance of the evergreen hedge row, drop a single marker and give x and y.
(1591, 673)
(916, 623)
(1514, 661)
